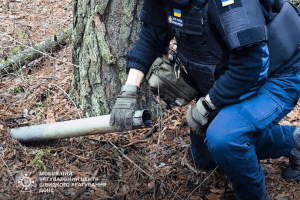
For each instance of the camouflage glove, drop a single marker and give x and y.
(124, 108)
(201, 114)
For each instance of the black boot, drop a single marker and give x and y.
(293, 172)
(199, 153)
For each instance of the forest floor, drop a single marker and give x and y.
(123, 165)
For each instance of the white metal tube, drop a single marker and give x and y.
(74, 128)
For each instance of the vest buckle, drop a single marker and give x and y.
(177, 69)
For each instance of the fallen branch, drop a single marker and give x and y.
(32, 53)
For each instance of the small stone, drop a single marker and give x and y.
(163, 145)
(279, 188)
(25, 112)
(162, 164)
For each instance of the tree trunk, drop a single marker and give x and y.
(103, 32)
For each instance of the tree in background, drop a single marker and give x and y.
(103, 32)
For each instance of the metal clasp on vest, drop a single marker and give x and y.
(177, 69)
(177, 66)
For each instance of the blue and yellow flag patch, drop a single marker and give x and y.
(177, 12)
(227, 2)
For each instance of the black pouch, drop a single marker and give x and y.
(172, 88)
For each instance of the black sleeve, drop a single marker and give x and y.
(154, 38)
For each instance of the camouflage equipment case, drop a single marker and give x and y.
(173, 90)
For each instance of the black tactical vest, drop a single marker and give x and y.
(203, 51)
(198, 46)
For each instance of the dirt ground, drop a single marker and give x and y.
(123, 165)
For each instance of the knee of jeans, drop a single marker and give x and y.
(223, 141)
(217, 140)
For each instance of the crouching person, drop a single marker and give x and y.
(242, 58)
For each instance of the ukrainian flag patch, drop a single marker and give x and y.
(227, 2)
(177, 12)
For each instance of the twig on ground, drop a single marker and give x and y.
(150, 176)
(78, 156)
(187, 163)
(65, 94)
(153, 130)
(84, 158)
(202, 182)
(155, 127)
(130, 160)
(7, 168)
(132, 143)
(163, 132)
(168, 118)
(45, 78)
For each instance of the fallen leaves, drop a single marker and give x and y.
(213, 196)
(294, 114)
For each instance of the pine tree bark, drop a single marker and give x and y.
(103, 32)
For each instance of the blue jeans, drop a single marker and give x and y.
(243, 133)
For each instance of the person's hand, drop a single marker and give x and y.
(124, 108)
(201, 114)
